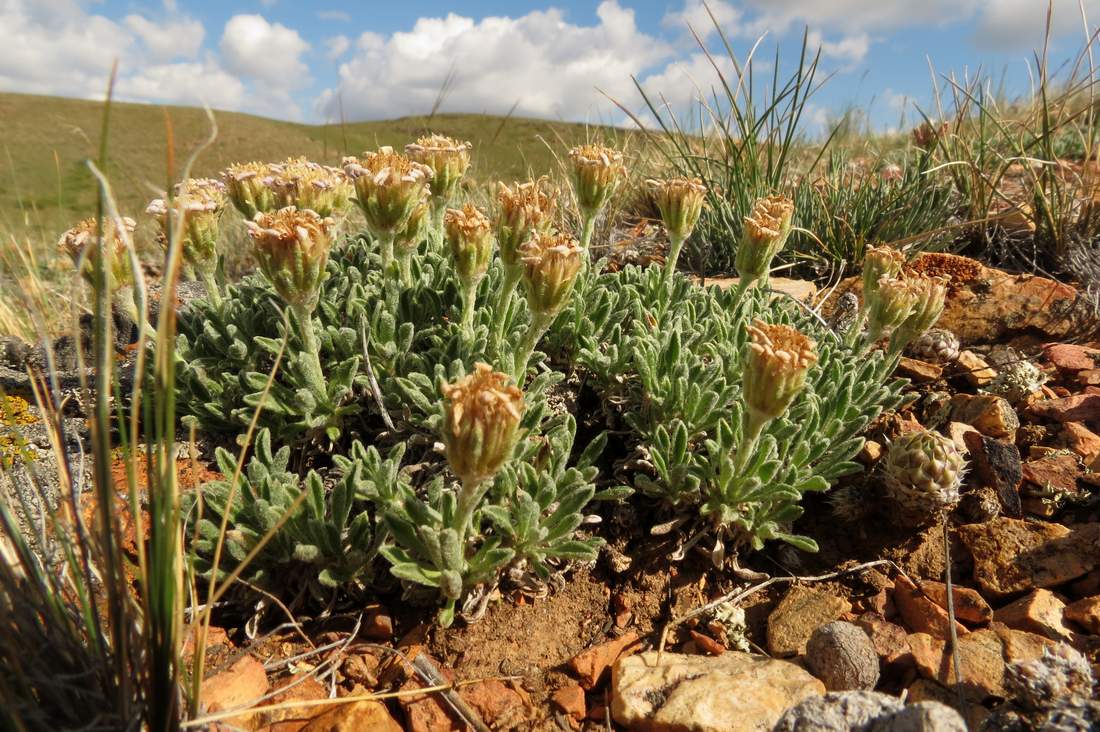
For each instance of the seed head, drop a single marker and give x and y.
(765, 234)
(680, 201)
(81, 244)
(304, 184)
(522, 210)
(448, 160)
(481, 419)
(292, 247)
(469, 236)
(250, 188)
(597, 173)
(778, 359)
(550, 266)
(195, 210)
(388, 187)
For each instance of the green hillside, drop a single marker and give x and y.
(45, 186)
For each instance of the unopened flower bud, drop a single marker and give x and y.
(415, 230)
(550, 266)
(879, 262)
(448, 160)
(388, 187)
(930, 295)
(776, 364)
(923, 471)
(597, 173)
(764, 236)
(82, 246)
(292, 248)
(522, 210)
(249, 188)
(481, 419)
(195, 211)
(892, 302)
(469, 237)
(680, 201)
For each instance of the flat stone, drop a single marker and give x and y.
(296, 718)
(1039, 611)
(890, 640)
(734, 692)
(1082, 441)
(989, 414)
(925, 716)
(590, 664)
(238, 687)
(920, 614)
(970, 606)
(1090, 377)
(1071, 357)
(841, 711)
(957, 431)
(1076, 408)
(975, 369)
(500, 705)
(981, 656)
(802, 611)
(569, 699)
(1057, 472)
(920, 372)
(998, 465)
(1011, 555)
(354, 716)
(1086, 613)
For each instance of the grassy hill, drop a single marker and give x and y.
(45, 186)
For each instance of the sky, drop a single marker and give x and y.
(558, 59)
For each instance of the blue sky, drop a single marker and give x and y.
(307, 61)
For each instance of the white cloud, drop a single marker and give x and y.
(695, 15)
(854, 16)
(198, 83)
(1019, 25)
(849, 49)
(178, 38)
(338, 15)
(269, 52)
(336, 47)
(544, 64)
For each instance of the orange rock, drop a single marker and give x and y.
(802, 611)
(890, 640)
(974, 368)
(1086, 613)
(355, 716)
(969, 605)
(238, 687)
(589, 665)
(920, 614)
(707, 645)
(1037, 612)
(570, 700)
(1083, 441)
(1071, 357)
(989, 414)
(1076, 408)
(295, 718)
(501, 706)
(1057, 472)
(919, 371)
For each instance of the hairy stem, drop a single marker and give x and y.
(404, 262)
(469, 303)
(469, 496)
(213, 290)
(673, 255)
(311, 348)
(535, 330)
(507, 287)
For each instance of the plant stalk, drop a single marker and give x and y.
(311, 349)
(507, 287)
(673, 254)
(535, 330)
(469, 495)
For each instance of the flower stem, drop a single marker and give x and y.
(404, 262)
(213, 291)
(469, 301)
(469, 495)
(435, 231)
(507, 287)
(385, 243)
(311, 348)
(752, 426)
(673, 255)
(535, 330)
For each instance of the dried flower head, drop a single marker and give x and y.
(930, 294)
(765, 233)
(522, 210)
(195, 211)
(292, 247)
(778, 359)
(81, 244)
(481, 419)
(249, 187)
(388, 187)
(926, 135)
(304, 184)
(879, 262)
(892, 302)
(680, 201)
(597, 173)
(550, 266)
(448, 160)
(469, 237)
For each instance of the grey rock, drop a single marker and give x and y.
(842, 655)
(925, 716)
(845, 711)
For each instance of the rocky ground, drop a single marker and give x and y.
(856, 637)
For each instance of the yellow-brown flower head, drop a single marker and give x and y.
(597, 173)
(522, 210)
(879, 262)
(776, 364)
(388, 187)
(448, 160)
(469, 236)
(551, 262)
(195, 211)
(415, 231)
(892, 302)
(292, 247)
(765, 233)
(481, 416)
(82, 246)
(249, 187)
(304, 184)
(931, 294)
(680, 201)
(926, 135)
